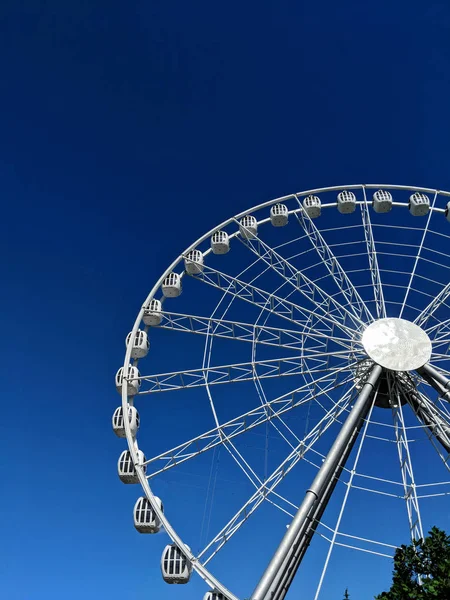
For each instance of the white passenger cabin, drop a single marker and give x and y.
(153, 313)
(279, 215)
(118, 424)
(145, 519)
(346, 202)
(175, 567)
(382, 201)
(312, 206)
(447, 211)
(193, 263)
(220, 242)
(141, 344)
(248, 227)
(213, 595)
(419, 204)
(171, 286)
(134, 383)
(125, 466)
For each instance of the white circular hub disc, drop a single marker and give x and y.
(396, 344)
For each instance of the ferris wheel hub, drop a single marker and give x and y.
(397, 344)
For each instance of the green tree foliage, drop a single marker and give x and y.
(421, 570)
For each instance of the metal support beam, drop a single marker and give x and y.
(437, 386)
(282, 583)
(317, 493)
(436, 379)
(432, 420)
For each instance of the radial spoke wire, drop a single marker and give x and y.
(409, 483)
(243, 332)
(330, 261)
(296, 278)
(418, 256)
(277, 476)
(239, 425)
(275, 367)
(229, 445)
(259, 297)
(429, 310)
(373, 260)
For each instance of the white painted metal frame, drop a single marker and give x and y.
(404, 456)
(289, 311)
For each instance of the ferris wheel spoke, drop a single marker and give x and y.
(331, 262)
(297, 279)
(321, 345)
(418, 255)
(226, 441)
(436, 357)
(263, 399)
(269, 301)
(355, 356)
(243, 423)
(439, 343)
(250, 473)
(439, 330)
(409, 484)
(243, 332)
(275, 478)
(233, 373)
(241, 462)
(373, 260)
(443, 345)
(429, 310)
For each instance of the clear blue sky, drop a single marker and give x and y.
(126, 131)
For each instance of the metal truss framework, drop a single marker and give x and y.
(271, 302)
(297, 454)
(373, 260)
(329, 260)
(409, 484)
(277, 367)
(269, 411)
(241, 332)
(324, 338)
(285, 558)
(310, 290)
(280, 572)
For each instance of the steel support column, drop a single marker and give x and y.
(315, 496)
(437, 380)
(282, 583)
(432, 420)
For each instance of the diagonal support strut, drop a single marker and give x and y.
(431, 419)
(316, 496)
(436, 379)
(283, 581)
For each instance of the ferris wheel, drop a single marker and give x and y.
(303, 375)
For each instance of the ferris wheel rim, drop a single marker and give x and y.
(280, 199)
(128, 401)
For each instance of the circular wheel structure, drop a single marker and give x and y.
(297, 387)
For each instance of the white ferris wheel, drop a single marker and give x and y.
(309, 350)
